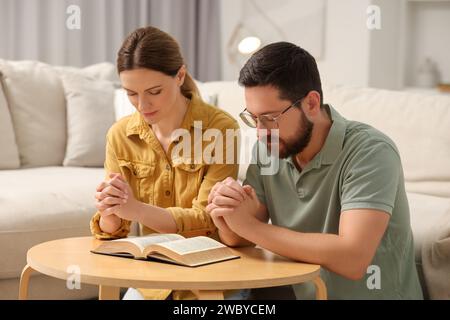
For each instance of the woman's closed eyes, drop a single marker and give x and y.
(153, 93)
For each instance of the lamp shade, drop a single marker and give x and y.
(243, 42)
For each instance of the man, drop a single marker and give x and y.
(338, 197)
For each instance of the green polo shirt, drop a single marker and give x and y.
(357, 168)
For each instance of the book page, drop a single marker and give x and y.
(191, 245)
(145, 241)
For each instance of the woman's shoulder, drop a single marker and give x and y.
(122, 127)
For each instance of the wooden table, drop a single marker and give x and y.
(257, 268)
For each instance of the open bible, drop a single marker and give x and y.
(172, 248)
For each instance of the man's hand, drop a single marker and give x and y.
(229, 188)
(224, 198)
(230, 194)
(238, 218)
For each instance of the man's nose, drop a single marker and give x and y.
(261, 132)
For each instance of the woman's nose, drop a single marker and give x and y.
(143, 104)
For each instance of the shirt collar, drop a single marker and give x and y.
(335, 139)
(333, 143)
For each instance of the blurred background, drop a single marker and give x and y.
(56, 107)
(393, 44)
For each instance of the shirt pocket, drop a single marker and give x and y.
(140, 176)
(188, 179)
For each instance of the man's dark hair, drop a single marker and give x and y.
(287, 67)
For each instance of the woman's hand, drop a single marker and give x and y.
(118, 199)
(108, 196)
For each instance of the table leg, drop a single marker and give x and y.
(108, 293)
(321, 289)
(209, 294)
(24, 280)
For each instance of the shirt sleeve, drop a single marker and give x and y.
(111, 165)
(371, 179)
(196, 221)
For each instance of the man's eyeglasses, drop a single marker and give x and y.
(266, 121)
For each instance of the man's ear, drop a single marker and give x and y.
(181, 75)
(312, 102)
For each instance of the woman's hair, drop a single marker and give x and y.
(154, 49)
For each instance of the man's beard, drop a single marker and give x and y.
(291, 147)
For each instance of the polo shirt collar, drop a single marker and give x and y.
(333, 143)
(335, 139)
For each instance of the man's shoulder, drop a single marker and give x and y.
(361, 136)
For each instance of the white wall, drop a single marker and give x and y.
(346, 59)
(386, 54)
(345, 56)
(428, 36)
(411, 30)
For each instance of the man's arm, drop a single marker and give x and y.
(349, 253)
(227, 236)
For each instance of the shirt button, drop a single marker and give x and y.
(167, 193)
(168, 167)
(192, 166)
(208, 233)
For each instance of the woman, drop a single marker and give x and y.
(145, 181)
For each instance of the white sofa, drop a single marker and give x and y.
(40, 199)
(43, 199)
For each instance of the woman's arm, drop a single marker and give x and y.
(156, 218)
(108, 226)
(194, 220)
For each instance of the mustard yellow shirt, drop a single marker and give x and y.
(180, 184)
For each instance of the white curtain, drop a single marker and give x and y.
(36, 30)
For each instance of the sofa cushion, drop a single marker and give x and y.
(122, 104)
(230, 96)
(430, 222)
(101, 71)
(41, 204)
(426, 211)
(206, 95)
(90, 113)
(9, 156)
(36, 101)
(418, 123)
